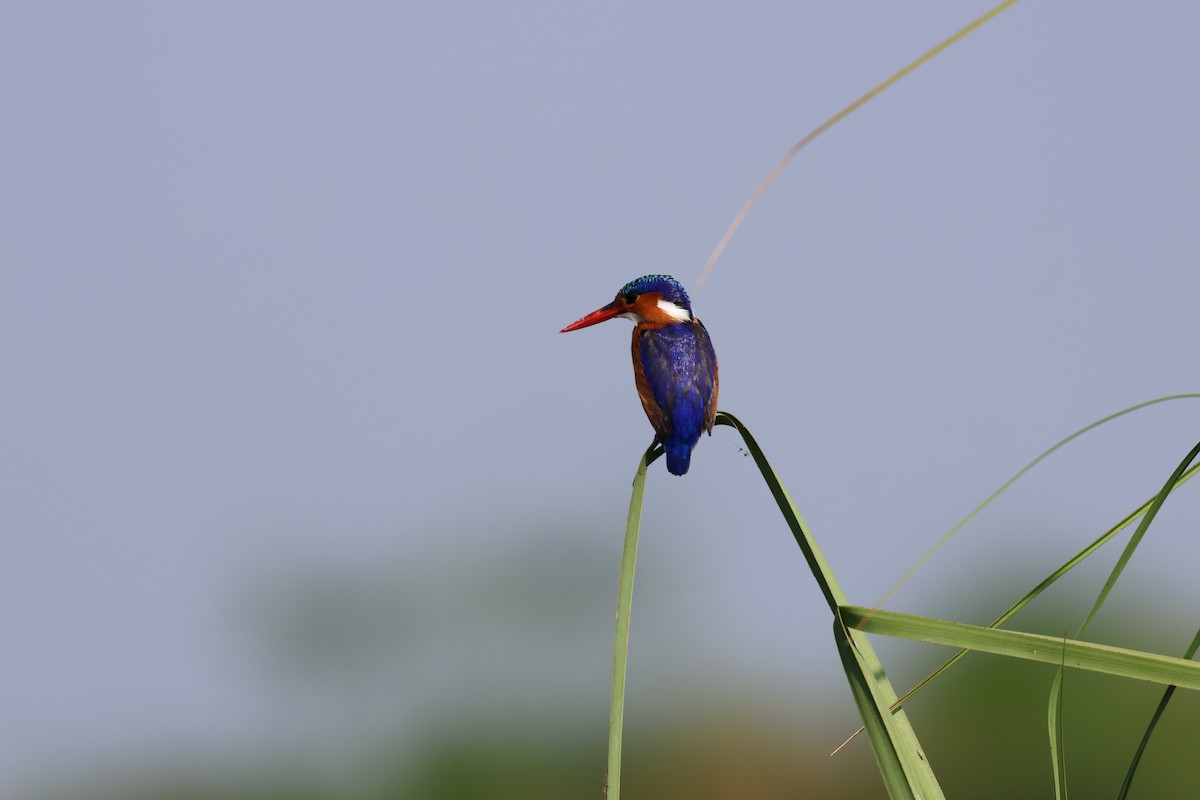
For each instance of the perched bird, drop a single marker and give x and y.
(674, 365)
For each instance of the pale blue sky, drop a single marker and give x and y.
(282, 285)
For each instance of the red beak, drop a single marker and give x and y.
(599, 315)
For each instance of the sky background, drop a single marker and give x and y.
(281, 287)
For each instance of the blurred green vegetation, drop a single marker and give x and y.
(983, 724)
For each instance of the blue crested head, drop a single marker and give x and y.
(671, 290)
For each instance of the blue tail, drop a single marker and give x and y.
(679, 456)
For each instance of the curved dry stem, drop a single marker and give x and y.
(826, 125)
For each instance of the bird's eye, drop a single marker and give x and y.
(629, 297)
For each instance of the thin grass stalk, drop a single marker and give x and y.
(1158, 712)
(1066, 567)
(820, 568)
(1118, 568)
(1019, 474)
(1053, 577)
(890, 727)
(834, 120)
(1058, 753)
(1050, 579)
(616, 709)
(1058, 573)
(1136, 539)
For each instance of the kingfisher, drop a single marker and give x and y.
(674, 364)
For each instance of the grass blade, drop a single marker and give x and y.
(1050, 579)
(890, 728)
(1118, 568)
(875, 716)
(821, 570)
(1021, 472)
(1136, 539)
(1158, 712)
(1058, 753)
(616, 709)
(1119, 661)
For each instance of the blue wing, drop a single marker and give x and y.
(680, 377)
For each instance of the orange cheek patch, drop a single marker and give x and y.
(646, 307)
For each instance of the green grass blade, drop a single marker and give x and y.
(1050, 579)
(821, 570)
(875, 698)
(906, 770)
(864, 671)
(1118, 568)
(875, 716)
(616, 709)
(1053, 577)
(1136, 539)
(975, 511)
(1158, 712)
(1119, 661)
(1058, 754)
